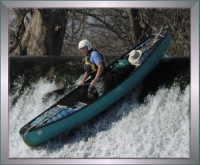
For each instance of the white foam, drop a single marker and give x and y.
(158, 128)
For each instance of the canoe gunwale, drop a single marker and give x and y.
(96, 101)
(64, 97)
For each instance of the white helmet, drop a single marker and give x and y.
(84, 43)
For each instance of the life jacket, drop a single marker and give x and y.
(89, 67)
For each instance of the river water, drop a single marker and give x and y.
(157, 128)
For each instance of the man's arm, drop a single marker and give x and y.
(99, 72)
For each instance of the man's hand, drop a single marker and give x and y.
(94, 82)
(81, 83)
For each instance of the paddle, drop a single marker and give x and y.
(69, 86)
(62, 90)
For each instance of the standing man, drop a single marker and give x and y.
(94, 65)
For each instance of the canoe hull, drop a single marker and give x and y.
(42, 134)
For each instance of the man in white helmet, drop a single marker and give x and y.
(94, 65)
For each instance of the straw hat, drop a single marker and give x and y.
(134, 56)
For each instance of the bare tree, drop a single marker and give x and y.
(135, 29)
(106, 28)
(44, 34)
(179, 22)
(111, 31)
(16, 35)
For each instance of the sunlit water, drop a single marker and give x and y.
(158, 128)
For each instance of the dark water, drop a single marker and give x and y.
(65, 70)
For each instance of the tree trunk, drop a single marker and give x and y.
(20, 28)
(56, 22)
(135, 29)
(44, 34)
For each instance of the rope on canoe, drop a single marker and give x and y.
(153, 41)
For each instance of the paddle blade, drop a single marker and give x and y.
(54, 93)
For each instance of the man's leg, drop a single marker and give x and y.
(104, 85)
(92, 92)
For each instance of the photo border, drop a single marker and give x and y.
(194, 135)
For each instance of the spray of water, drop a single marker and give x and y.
(158, 128)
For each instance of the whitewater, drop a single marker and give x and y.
(157, 128)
